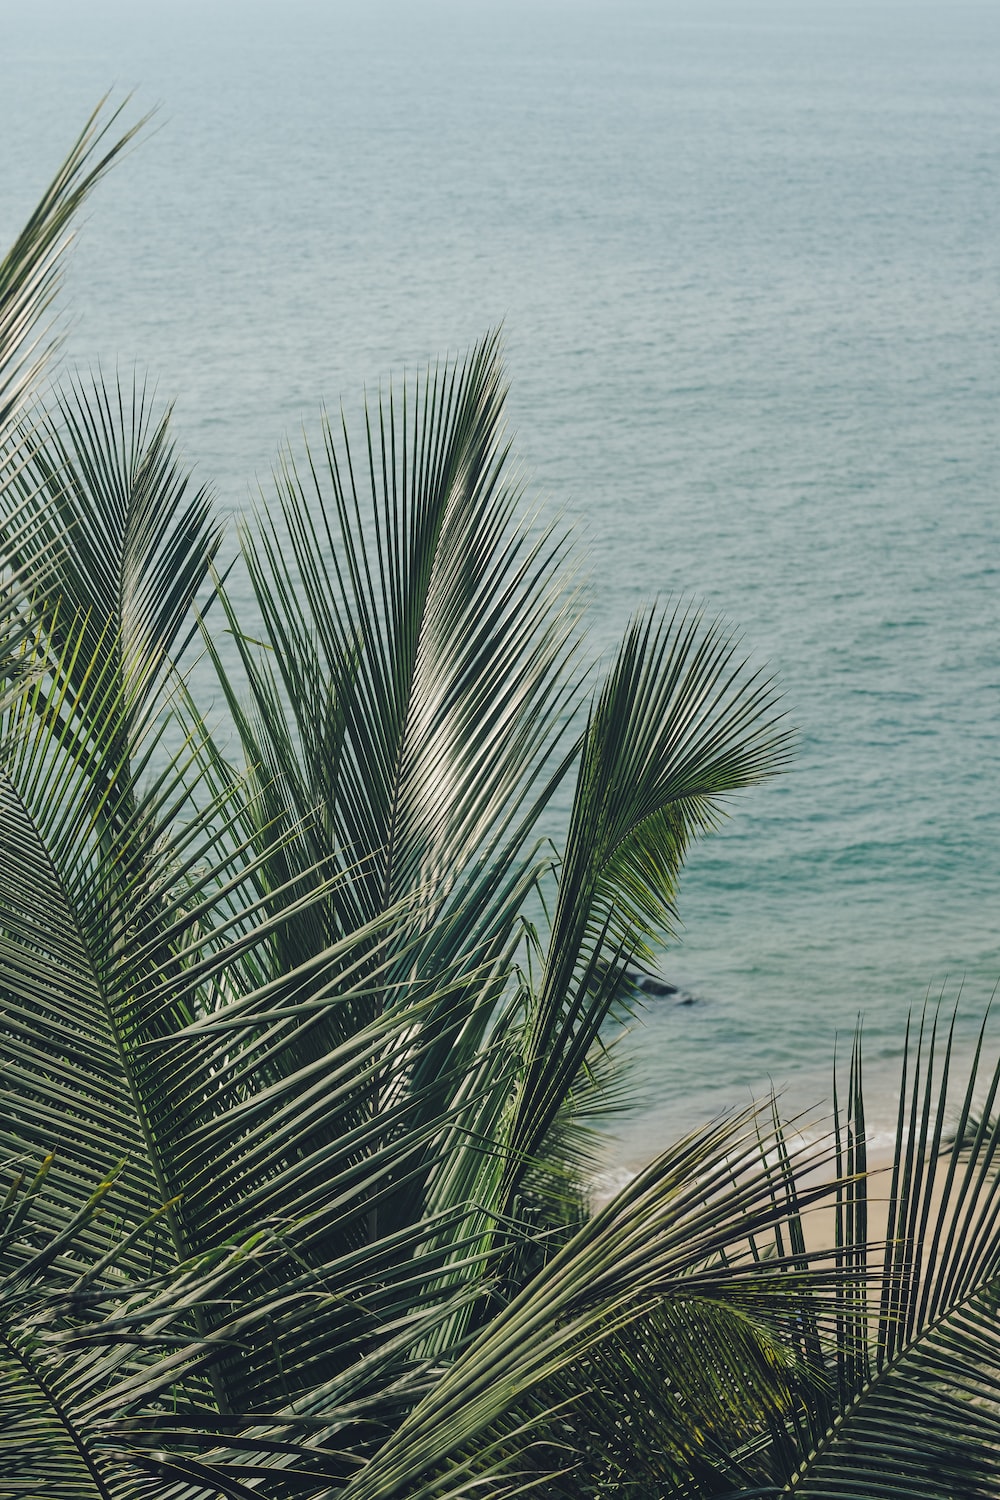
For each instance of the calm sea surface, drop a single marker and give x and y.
(747, 258)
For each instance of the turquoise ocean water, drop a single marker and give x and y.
(747, 258)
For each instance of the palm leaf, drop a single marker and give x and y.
(666, 1267)
(30, 271)
(669, 1260)
(918, 1348)
(417, 637)
(678, 725)
(105, 495)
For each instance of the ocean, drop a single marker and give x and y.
(747, 263)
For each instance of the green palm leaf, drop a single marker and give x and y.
(666, 1266)
(678, 725)
(670, 1261)
(920, 1393)
(105, 496)
(29, 273)
(417, 641)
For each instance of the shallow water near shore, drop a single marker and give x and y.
(747, 260)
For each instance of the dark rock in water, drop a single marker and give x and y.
(659, 989)
(652, 986)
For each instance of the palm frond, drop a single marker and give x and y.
(417, 637)
(669, 1260)
(679, 724)
(917, 1352)
(29, 273)
(105, 496)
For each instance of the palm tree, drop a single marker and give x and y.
(303, 1027)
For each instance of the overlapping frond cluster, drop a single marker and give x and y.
(297, 1038)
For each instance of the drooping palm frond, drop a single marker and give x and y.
(119, 1369)
(667, 1268)
(83, 1340)
(678, 725)
(29, 279)
(29, 273)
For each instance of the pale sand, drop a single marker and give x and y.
(819, 1222)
